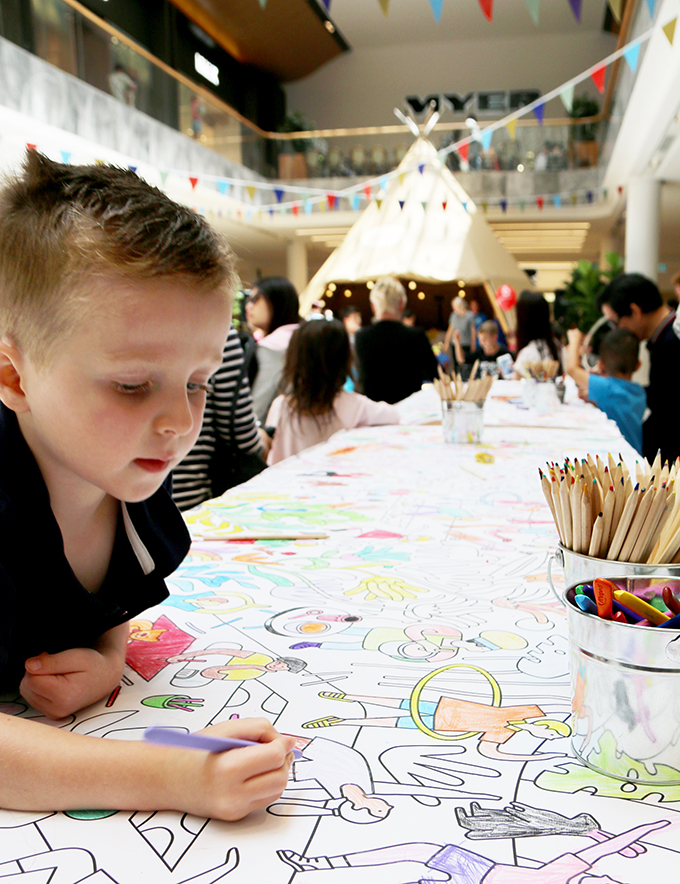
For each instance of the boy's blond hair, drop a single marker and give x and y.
(388, 295)
(63, 229)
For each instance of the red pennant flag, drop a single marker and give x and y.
(31, 146)
(330, 199)
(367, 191)
(295, 209)
(597, 77)
(444, 204)
(194, 182)
(620, 189)
(487, 8)
(463, 152)
(539, 202)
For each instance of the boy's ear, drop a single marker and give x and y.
(11, 390)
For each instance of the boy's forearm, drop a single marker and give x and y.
(574, 368)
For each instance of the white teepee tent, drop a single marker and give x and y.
(425, 227)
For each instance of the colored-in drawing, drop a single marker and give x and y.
(150, 656)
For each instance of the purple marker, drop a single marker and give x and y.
(170, 736)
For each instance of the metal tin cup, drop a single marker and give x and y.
(625, 683)
(584, 569)
(541, 396)
(462, 421)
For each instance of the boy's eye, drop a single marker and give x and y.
(131, 389)
(199, 388)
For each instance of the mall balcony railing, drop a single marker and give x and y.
(539, 158)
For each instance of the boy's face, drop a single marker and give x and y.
(488, 343)
(122, 402)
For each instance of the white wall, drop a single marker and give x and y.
(361, 87)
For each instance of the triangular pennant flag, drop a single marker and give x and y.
(263, 3)
(576, 9)
(249, 215)
(96, 161)
(539, 110)
(308, 207)
(401, 204)
(383, 182)
(605, 193)
(194, 181)
(378, 202)
(511, 126)
(464, 205)
(444, 204)
(252, 190)
(223, 186)
(620, 189)
(331, 199)
(504, 205)
(327, 4)
(295, 209)
(589, 196)
(669, 30)
(487, 135)
(367, 191)
(322, 206)
(539, 202)
(632, 56)
(355, 201)
(532, 6)
(574, 199)
(65, 157)
(522, 205)
(271, 211)
(437, 8)
(485, 206)
(164, 178)
(557, 200)
(651, 4)
(597, 77)
(487, 8)
(278, 193)
(567, 96)
(463, 152)
(423, 203)
(615, 6)
(421, 168)
(34, 147)
(385, 5)
(402, 175)
(132, 168)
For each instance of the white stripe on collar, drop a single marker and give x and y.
(142, 553)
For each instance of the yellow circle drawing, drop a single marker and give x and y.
(418, 689)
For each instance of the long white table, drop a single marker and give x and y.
(429, 594)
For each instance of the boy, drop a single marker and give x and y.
(487, 353)
(461, 320)
(611, 389)
(115, 304)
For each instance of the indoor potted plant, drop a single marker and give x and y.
(292, 160)
(583, 142)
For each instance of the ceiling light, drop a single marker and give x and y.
(421, 296)
(329, 26)
(412, 285)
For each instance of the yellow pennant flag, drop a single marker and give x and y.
(401, 177)
(251, 191)
(378, 202)
(511, 126)
(384, 4)
(615, 6)
(669, 30)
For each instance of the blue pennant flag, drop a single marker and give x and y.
(65, 157)
(651, 4)
(539, 110)
(421, 168)
(279, 194)
(437, 8)
(557, 200)
(504, 205)
(401, 204)
(383, 183)
(487, 135)
(223, 186)
(465, 206)
(632, 56)
(132, 168)
(355, 201)
(308, 207)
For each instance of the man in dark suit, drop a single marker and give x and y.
(393, 360)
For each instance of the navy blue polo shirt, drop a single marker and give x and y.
(43, 606)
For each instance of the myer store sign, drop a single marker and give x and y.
(494, 102)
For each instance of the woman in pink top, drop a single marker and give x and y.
(315, 406)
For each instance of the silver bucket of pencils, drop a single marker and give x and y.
(625, 682)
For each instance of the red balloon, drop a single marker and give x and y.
(506, 297)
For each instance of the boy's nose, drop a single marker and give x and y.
(176, 417)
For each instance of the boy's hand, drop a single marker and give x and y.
(59, 684)
(575, 337)
(229, 785)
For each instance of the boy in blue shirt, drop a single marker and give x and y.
(611, 388)
(115, 304)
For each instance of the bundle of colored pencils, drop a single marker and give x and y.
(451, 389)
(600, 511)
(543, 370)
